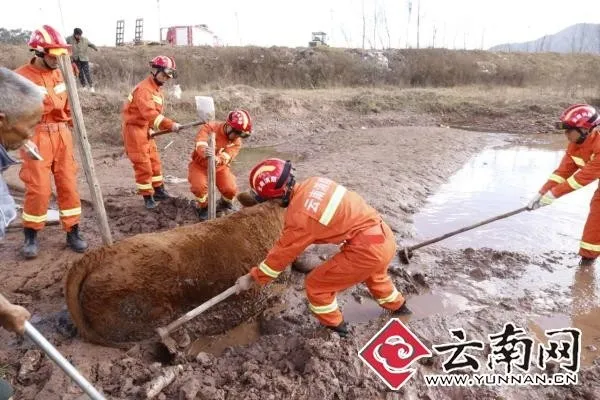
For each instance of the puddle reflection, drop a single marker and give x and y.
(501, 180)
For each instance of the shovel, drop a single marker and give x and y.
(184, 126)
(62, 362)
(164, 331)
(406, 253)
(205, 108)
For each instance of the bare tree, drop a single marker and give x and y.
(409, 4)
(434, 33)
(387, 29)
(482, 38)
(347, 38)
(374, 24)
(418, 23)
(364, 30)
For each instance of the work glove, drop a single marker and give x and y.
(534, 203)
(208, 152)
(541, 200)
(243, 283)
(176, 127)
(547, 199)
(13, 317)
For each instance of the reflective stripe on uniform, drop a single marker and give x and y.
(389, 299)
(43, 89)
(61, 87)
(333, 205)
(70, 212)
(34, 218)
(157, 178)
(324, 309)
(157, 99)
(226, 156)
(157, 121)
(144, 186)
(202, 199)
(265, 269)
(573, 183)
(579, 161)
(130, 97)
(556, 178)
(201, 143)
(589, 246)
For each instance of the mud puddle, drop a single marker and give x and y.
(500, 180)
(246, 333)
(422, 306)
(248, 157)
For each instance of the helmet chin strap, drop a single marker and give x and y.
(582, 136)
(154, 75)
(288, 191)
(42, 55)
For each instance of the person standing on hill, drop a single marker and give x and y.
(53, 138)
(80, 56)
(141, 114)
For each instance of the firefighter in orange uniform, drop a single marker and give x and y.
(53, 138)
(228, 141)
(142, 114)
(579, 167)
(321, 211)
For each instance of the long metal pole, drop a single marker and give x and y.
(62, 362)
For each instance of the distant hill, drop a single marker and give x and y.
(578, 38)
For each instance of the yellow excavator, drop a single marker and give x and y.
(318, 39)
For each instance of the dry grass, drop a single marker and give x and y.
(273, 82)
(278, 67)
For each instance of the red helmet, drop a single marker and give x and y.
(48, 40)
(578, 116)
(272, 179)
(166, 64)
(240, 121)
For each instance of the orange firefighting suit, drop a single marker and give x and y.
(579, 167)
(321, 211)
(143, 111)
(55, 143)
(226, 150)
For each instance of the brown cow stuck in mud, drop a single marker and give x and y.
(119, 294)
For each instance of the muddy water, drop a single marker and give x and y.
(499, 180)
(248, 157)
(504, 178)
(243, 334)
(422, 306)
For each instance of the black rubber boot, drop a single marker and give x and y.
(404, 310)
(30, 246)
(149, 202)
(75, 241)
(586, 262)
(202, 213)
(160, 193)
(224, 205)
(341, 329)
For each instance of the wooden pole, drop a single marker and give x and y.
(85, 151)
(212, 202)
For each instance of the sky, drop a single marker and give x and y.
(471, 24)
